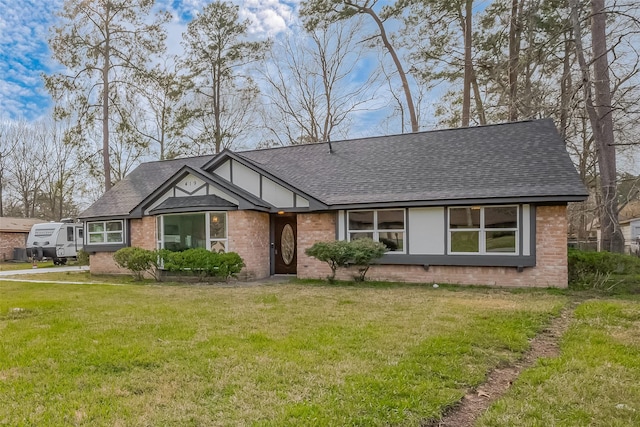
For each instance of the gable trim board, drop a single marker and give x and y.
(228, 157)
(424, 174)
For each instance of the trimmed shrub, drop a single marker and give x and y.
(336, 254)
(203, 263)
(83, 257)
(340, 253)
(364, 252)
(137, 260)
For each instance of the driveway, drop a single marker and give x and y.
(75, 268)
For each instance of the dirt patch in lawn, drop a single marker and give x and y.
(476, 401)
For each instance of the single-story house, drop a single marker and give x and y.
(13, 235)
(478, 205)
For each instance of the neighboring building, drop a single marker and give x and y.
(481, 205)
(13, 235)
(631, 232)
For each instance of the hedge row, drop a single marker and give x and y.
(198, 262)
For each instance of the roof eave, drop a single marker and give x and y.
(459, 202)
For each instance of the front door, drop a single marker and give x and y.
(284, 248)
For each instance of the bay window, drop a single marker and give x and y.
(178, 232)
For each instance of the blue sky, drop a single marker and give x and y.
(24, 54)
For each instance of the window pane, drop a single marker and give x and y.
(361, 220)
(184, 231)
(390, 220)
(69, 234)
(96, 227)
(114, 237)
(96, 238)
(501, 241)
(218, 246)
(394, 241)
(114, 226)
(356, 236)
(501, 217)
(218, 226)
(465, 241)
(464, 218)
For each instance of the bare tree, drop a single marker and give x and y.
(315, 12)
(27, 164)
(7, 145)
(310, 84)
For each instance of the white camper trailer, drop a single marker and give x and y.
(56, 240)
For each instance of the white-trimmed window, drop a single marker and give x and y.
(178, 232)
(106, 232)
(382, 225)
(483, 230)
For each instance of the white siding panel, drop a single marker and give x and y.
(165, 196)
(426, 231)
(189, 185)
(526, 230)
(224, 170)
(342, 233)
(246, 178)
(301, 202)
(219, 193)
(276, 194)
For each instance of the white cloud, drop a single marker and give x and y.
(24, 55)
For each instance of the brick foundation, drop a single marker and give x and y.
(550, 269)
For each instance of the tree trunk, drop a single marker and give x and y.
(105, 106)
(466, 90)
(565, 84)
(601, 120)
(396, 61)
(514, 56)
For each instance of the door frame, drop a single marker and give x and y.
(272, 239)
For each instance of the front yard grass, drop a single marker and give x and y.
(594, 382)
(286, 354)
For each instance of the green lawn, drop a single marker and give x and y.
(7, 266)
(594, 382)
(289, 354)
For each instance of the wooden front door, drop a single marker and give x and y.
(284, 248)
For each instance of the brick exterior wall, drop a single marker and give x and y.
(103, 263)
(312, 228)
(249, 236)
(248, 233)
(550, 269)
(8, 241)
(143, 232)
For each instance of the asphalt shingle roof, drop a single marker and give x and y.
(138, 185)
(507, 160)
(209, 201)
(514, 160)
